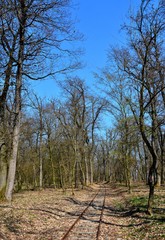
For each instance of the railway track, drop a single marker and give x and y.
(87, 226)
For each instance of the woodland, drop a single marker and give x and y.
(58, 143)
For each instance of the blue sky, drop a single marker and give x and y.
(100, 22)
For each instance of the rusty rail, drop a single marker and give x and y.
(81, 215)
(101, 217)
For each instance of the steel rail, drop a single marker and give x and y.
(79, 217)
(83, 212)
(101, 217)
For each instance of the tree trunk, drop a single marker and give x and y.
(128, 173)
(41, 161)
(86, 171)
(150, 200)
(77, 174)
(152, 181)
(3, 171)
(17, 105)
(53, 173)
(91, 171)
(13, 160)
(162, 170)
(162, 158)
(51, 161)
(34, 176)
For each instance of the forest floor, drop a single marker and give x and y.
(48, 213)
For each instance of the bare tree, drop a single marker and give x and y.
(79, 119)
(142, 64)
(31, 36)
(37, 104)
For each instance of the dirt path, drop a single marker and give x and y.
(47, 214)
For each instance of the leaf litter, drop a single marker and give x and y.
(48, 213)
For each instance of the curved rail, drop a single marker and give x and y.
(82, 215)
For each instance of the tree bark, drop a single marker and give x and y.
(17, 103)
(41, 159)
(152, 180)
(86, 171)
(12, 161)
(3, 170)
